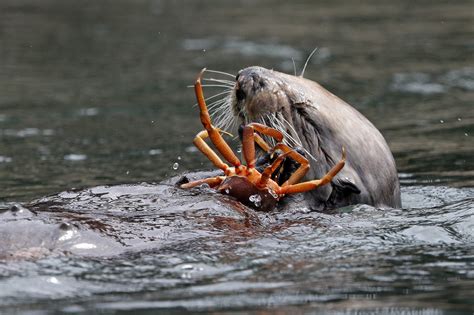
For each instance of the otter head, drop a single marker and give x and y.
(261, 94)
(268, 97)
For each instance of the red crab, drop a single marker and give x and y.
(245, 182)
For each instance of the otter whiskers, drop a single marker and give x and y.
(291, 138)
(221, 109)
(224, 117)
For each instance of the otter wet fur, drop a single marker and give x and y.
(321, 124)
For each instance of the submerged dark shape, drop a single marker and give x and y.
(323, 123)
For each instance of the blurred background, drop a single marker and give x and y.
(95, 92)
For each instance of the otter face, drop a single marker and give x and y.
(258, 94)
(267, 97)
(263, 96)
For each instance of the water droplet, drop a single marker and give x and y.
(256, 200)
(459, 118)
(175, 166)
(441, 121)
(239, 150)
(466, 134)
(274, 194)
(179, 157)
(127, 172)
(152, 121)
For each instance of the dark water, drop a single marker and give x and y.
(94, 93)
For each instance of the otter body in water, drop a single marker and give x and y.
(322, 124)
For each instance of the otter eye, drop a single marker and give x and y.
(240, 95)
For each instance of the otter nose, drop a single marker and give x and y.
(250, 79)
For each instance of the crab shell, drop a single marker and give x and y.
(247, 193)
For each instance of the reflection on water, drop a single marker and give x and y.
(95, 93)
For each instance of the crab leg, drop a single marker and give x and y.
(211, 181)
(310, 185)
(261, 143)
(212, 131)
(250, 137)
(269, 170)
(302, 169)
(267, 131)
(208, 152)
(248, 146)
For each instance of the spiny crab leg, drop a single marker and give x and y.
(212, 131)
(248, 146)
(265, 130)
(302, 169)
(212, 182)
(261, 143)
(207, 151)
(313, 184)
(250, 137)
(269, 170)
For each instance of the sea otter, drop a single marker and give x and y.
(321, 123)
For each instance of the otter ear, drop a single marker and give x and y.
(345, 185)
